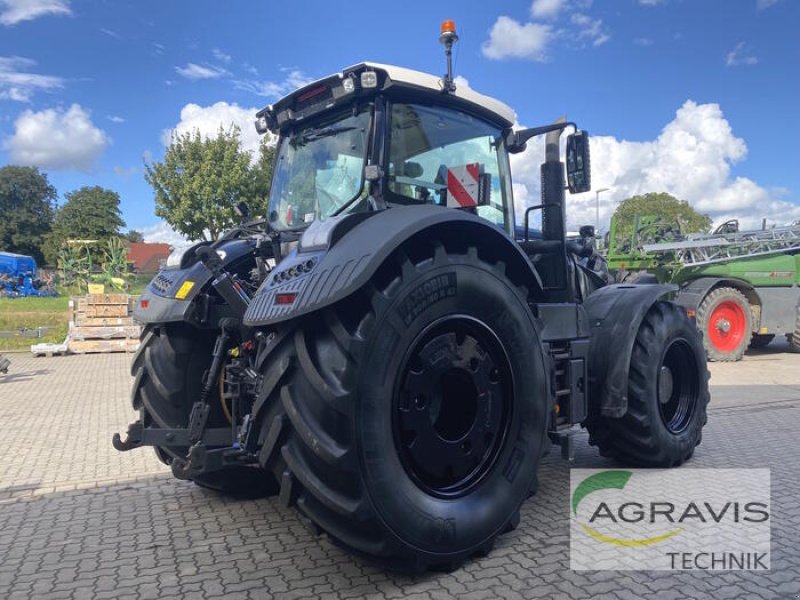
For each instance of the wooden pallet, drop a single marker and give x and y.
(103, 323)
(105, 333)
(50, 349)
(98, 346)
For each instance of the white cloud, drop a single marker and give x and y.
(194, 71)
(652, 2)
(208, 119)
(19, 84)
(740, 55)
(461, 81)
(511, 39)
(589, 29)
(546, 9)
(691, 159)
(16, 11)
(764, 4)
(643, 42)
(163, 233)
(221, 56)
(56, 139)
(111, 33)
(115, 119)
(294, 80)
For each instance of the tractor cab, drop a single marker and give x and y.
(376, 135)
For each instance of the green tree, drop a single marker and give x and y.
(201, 179)
(90, 213)
(27, 203)
(133, 236)
(665, 207)
(263, 176)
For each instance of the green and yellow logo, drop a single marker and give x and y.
(603, 481)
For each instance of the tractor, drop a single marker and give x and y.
(387, 350)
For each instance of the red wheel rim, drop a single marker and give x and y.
(726, 327)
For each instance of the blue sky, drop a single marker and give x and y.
(697, 97)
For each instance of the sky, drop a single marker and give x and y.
(697, 98)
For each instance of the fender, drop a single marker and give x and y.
(615, 314)
(171, 294)
(692, 294)
(310, 279)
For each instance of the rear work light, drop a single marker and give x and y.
(285, 298)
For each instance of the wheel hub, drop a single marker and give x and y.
(678, 390)
(723, 325)
(727, 326)
(452, 407)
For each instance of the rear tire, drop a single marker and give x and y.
(667, 395)
(725, 320)
(407, 422)
(168, 370)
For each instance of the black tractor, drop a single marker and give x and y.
(388, 351)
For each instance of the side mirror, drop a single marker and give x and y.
(587, 231)
(579, 174)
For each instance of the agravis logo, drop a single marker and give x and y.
(607, 480)
(714, 519)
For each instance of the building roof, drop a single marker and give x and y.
(147, 257)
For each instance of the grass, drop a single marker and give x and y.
(30, 313)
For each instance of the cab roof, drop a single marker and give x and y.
(427, 81)
(397, 77)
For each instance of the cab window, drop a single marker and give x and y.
(449, 158)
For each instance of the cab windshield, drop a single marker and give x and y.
(319, 170)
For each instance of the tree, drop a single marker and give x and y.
(26, 210)
(263, 175)
(90, 213)
(666, 208)
(201, 179)
(133, 236)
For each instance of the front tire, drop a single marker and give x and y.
(168, 370)
(667, 395)
(410, 423)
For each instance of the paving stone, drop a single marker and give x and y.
(89, 522)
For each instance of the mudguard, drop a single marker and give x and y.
(615, 314)
(310, 279)
(692, 294)
(171, 294)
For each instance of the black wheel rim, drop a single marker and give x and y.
(677, 386)
(452, 406)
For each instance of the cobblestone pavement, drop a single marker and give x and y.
(80, 520)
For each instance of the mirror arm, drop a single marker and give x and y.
(517, 140)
